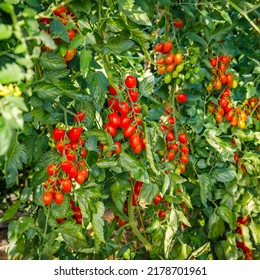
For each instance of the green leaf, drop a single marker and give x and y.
(58, 30)
(6, 31)
(115, 24)
(11, 73)
(117, 45)
(227, 215)
(85, 59)
(73, 235)
(134, 12)
(97, 221)
(26, 192)
(226, 17)
(47, 40)
(58, 74)
(61, 210)
(90, 111)
(5, 136)
(11, 211)
(204, 248)
(216, 226)
(97, 84)
(205, 183)
(16, 156)
(146, 86)
(224, 175)
(171, 229)
(131, 164)
(101, 136)
(119, 191)
(196, 38)
(51, 61)
(106, 163)
(148, 193)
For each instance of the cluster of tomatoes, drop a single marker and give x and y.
(169, 63)
(65, 16)
(248, 254)
(136, 191)
(176, 148)
(72, 167)
(219, 76)
(235, 115)
(126, 115)
(77, 215)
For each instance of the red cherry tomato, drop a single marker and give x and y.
(47, 198)
(58, 197)
(130, 82)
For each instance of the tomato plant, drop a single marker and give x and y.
(128, 131)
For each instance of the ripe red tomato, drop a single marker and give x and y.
(114, 119)
(162, 214)
(133, 95)
(134, 140)
(185, 149)
(58, 197)
(129, 130)
(229, 116)
(118, 148)
(85, 173)
(161, 70)
(52, 169)
(168, 109)
(66, 185)
(69, 54)
(160, 61)
(178, 58)
(45, 20)
(112, 90)
(60, 146)
(213, 61)
(58, 134)
(170, 155)
(236, 158)
(80, 177)
(137, 188)
(110, 129)
(125, 121)
(218, 85)
(159, 47)
(169, 69)
(130, 82)
(75, 133)
(182, 167)
(173, 147)
(70, 155)
(138, 120)
(59, 11)
(223, 102)
(138, 148)
(72, 33)
(184, 159)
(182, 138)
(182, 97)
(234, 121)
(114, 103)
(121, 222)
(167, 47)
(143, 142)
(47, 198)
(73, 171)
(157, 199)
(243, 220)
(66, 165)
(123, 108)
(137, 108)
(77, 212)
(228, 108)
(178, 23)
(83, 153)
(223, 78)
(79, 116)
(169, 59)
(229, 79)
(170, 136)
(222, 68)
(171, 120)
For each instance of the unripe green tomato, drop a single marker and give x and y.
(187, 75)
(197, 69)
(62, 50)
(186, 67)
(192, 80)
(175, 74)
(168, 78)
(161, 153)
(178, 81)
(234, 84)
(177, 171)
(179, 67)
(193, 60)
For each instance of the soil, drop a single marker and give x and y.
(3, 243)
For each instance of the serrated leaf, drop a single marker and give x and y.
(224, 175)
(26, 192)
(216, 226)
(196, 38)
(205, 183)
(118, 45)
(16, 157)
(90, 111)
(11, 73)
(226, 17)
(146, 86)
(106, 163)
(131, 164)
(73, 235)
(227, 215)
(11, 211)
(58, 30)
(115, 24)
(58, 74)
(60, 210)
(171, 229)
(97, 221)
(101, 135)
(51, 61)
(47, 40)
(85, 59)
(97, 84)
(119, 191)
(148, 193)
